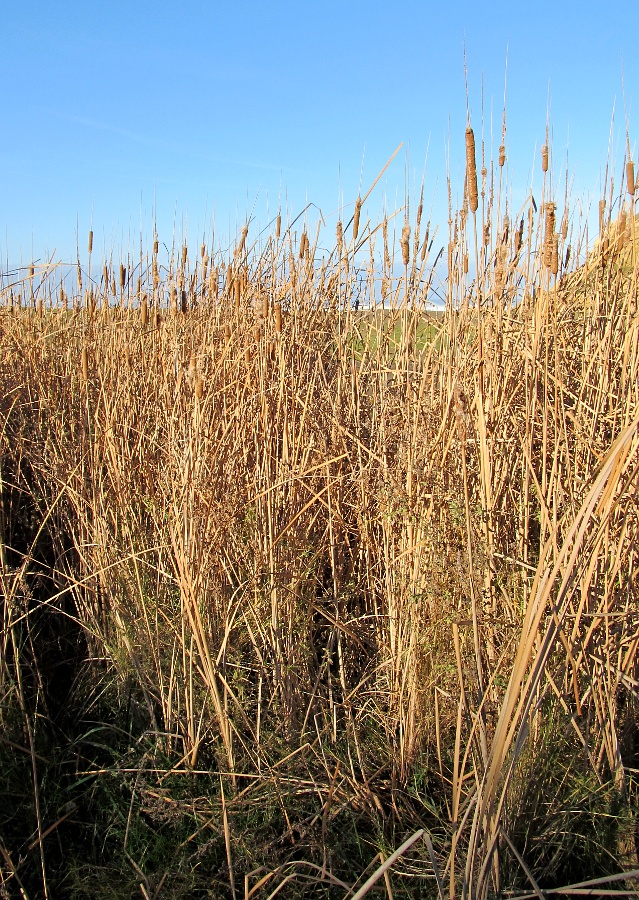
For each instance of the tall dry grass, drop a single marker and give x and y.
(348, 553)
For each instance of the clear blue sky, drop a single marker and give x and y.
(113, 110)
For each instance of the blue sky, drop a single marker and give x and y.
(118, 112)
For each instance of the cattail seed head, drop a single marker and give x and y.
(185, 253)
(502, 156)
(144, 310)
(544, 158)
(630, 177)
(278, 318)
(405, 243)
(90, 241)
(156, 246)
(339, 233)
(265, 305)
(185, 304)
(278, 227)
(471, 171)
(356, 215)
(122, 276)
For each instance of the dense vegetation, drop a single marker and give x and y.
(296, 570)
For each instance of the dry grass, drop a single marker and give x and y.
(344, 561)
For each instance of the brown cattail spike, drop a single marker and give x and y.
(471, 171)
(544, 158)
(358, 209)
(90, 242)
(502, 156)
(630, 177)
(278, 318)
(278, 227)
(405, 245)
(144, 310)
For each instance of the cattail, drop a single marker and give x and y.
(339, 233)
(85, 365)
(544, 158)
(564, 225)
(486, 234)
(404, 243)
(240, 246)
(519, 237)
(630, 178)
(156, 246)
(549, 237)
(257, 333)
(420, 210)
(39, 309)
(90, 241)
(358, 208)
(465, 264)
(185, 253)
(157, 319)
(502, 156)
(278, 227)
(265, 306)
(278, 318)
(602, 215)
(122, 276)
(471, 170)
(185, 304)
(303, 245)
(199, 386)
(173, 299)
(143, 311)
